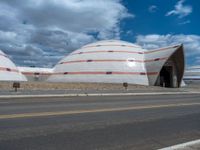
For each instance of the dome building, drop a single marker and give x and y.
(114, 61)
(8, 70)
(35, 73)
(192, 75)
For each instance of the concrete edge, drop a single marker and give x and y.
(96, 94)
(183, 145)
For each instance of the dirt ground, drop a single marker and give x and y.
(79, 86)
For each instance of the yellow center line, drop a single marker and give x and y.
(57, 113)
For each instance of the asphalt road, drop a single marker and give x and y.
(99, 123)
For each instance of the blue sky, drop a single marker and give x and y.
(155, 21)
(40, 32)
(172, 21)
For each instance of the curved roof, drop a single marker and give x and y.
(111, 43)
(8, 70)
(106, 46)
(92, 63)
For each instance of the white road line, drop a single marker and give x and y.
(183, 146)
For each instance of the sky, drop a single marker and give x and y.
(41, 32)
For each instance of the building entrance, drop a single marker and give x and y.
(166, 76)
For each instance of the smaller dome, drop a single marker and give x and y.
(8, 70)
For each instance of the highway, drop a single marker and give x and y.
(99, 122)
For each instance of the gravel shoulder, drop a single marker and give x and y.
(68, 88)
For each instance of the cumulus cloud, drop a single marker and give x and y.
(35, 29)
(180, 9)
(152, 8)
(185, 22)
(191, 43)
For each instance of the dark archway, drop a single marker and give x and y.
(166, 76)
(171, 73)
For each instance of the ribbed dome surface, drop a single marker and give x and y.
(104, 61)
(113, 43)
(8, 70)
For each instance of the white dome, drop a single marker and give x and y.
(8, 70)
(112, 61)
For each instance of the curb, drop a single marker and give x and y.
(184, 146)
(96, 94)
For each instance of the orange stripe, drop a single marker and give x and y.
(122, 45)
(113, 60)
(104, 73)
(85, 73)
(34, 73)
(94, 73)
(8, 69)
(108, 51)
(161, 49)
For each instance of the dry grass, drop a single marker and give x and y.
(80, 86)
